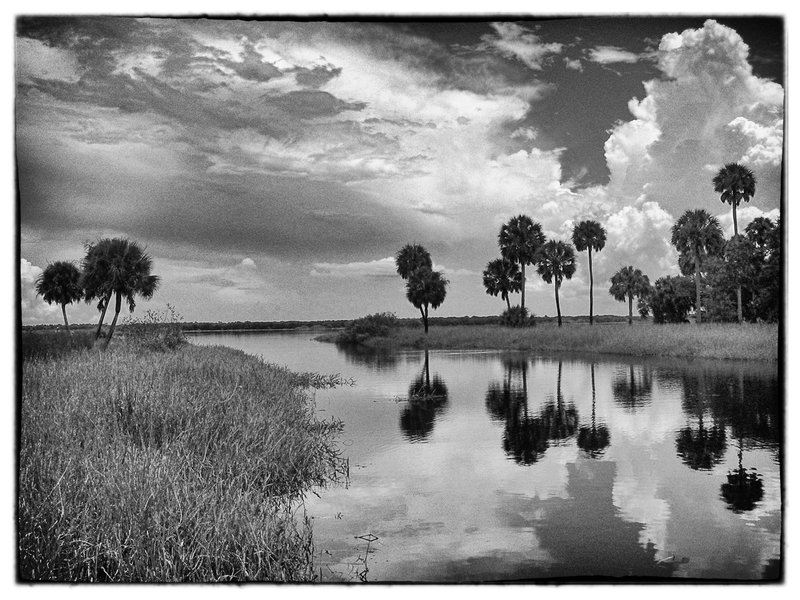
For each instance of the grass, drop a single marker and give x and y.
(179, 466)
(713, 340)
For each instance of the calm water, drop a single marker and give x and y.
(523, 467)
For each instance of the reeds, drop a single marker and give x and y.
(712, 340)
(180, 466)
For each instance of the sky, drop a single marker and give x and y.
(273, 168)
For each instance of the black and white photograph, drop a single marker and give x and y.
(345, 299)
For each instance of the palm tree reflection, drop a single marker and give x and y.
(427, 398)
(526, 437)
(700, 448)
(744, 488)
(561, 420)
(595, 439)
(633, 392)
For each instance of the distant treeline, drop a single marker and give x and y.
(341, 323)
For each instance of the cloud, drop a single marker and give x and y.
(384, 267)
(712, 110)
(606, 55)
(574, 64)
(514, 41)
(745, 215)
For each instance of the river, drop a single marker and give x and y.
(473, 466)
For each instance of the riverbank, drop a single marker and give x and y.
(713, 340)
(184, 465)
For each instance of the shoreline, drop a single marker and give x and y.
(719, 341)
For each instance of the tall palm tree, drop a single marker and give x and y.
(628, 283)
(119, 267)
(503, 277)
(60, 282)
(520, 240)
(589, 235)
(735, 183)
(410, 258)
(697, 235)
(556, 263)
(426, 289)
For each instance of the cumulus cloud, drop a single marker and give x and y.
(712, 110)
(33, 308)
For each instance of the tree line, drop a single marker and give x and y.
(112, 268)
(738, 279)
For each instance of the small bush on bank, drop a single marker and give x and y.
(371, 326)
(157, 330)
(517, 316)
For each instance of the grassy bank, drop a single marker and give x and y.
(722, 341)
(184, 465)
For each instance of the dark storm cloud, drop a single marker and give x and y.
(252, 67)
(316, 77)
(311, 103)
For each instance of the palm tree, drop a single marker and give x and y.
(118, 266)
(503, 277)
(60, 282)
(698, 235)
(426, 288)
(735, 183)
(410, 258)
(520, 240)
(95, 277)
(556, 262)
(627, 283)
(589, 235)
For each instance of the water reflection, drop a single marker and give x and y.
(377, 359)
(633, 390)
(561, 419)
(744, 488)
(427, 398)
(702, 447)
(527, 435)
(595, 439)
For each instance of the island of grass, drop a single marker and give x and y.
(185, 464)
(731, 341)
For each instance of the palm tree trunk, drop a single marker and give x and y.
(508, 302)
(739, 304)
(630, 309)
(106, 300)
(591, 286)
(114, 322)
(424, 318)
(523, 285)
(66, 323)
(735, 224)
(698, 312)
(558, 305)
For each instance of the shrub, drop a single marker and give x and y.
(157, 330)
(371, 326)
(671, 299)
(517, 316)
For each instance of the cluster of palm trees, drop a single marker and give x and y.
(522, 243)
(696, 235)
(112, 268)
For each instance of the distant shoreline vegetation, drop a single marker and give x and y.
(728, 341)
(206, 326)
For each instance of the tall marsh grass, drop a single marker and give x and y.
(710, 340)
(180, 466)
